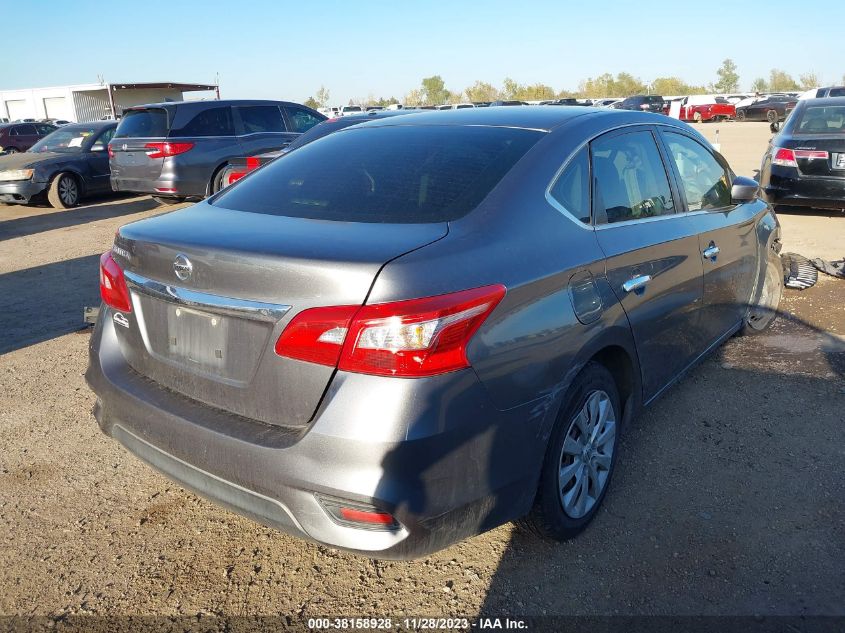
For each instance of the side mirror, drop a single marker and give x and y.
(744, 190)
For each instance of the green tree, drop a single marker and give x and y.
(434, 90)
(728, 77)
(536, 92)
(322, 97)
(312, 103)
(623, 85)
(760, 85)
(675, 86)
(415, 98)
(809, 80)
(482, 91)
(510, 89)
(780, 81)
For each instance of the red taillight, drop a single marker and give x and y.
(316, 335)
(111, 151)
(419, 337)
(784, 157)
(113, 288)
(163, 150)
(234, 177)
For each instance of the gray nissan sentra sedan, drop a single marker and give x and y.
(415, 329)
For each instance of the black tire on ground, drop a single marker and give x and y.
(764, 310)
(11, 150)
(548, 518)
(64, 191)
(697, 117)
(772, 116)
(740, 115)
(216, 183)
(164, 200)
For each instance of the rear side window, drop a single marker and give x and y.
(261, 119)
(706, 183)
(302, 120)
(147, 123)
(630, 181)
(836, 92)
(572, 188)
(210, 122)
(395, 174)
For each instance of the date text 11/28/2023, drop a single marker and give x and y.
(387, 624)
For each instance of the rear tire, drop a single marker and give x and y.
(764, 310)
(216, 183)
(64, 191)
(740, 115)
(580, 457)
(772, 116)
(11, 150)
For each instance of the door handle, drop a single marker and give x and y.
(710, 252)
(636, 283)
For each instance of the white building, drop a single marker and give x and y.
(89, 102)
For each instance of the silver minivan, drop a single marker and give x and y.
(177, 150)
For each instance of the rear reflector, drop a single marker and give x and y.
(363, 516)
(113, 288)
(163, 150)
(784, 157)
(166, 189)
(358, 515)
(111, 151)
(419, 337)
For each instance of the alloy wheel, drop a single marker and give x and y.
(587, 455)
(68, 191)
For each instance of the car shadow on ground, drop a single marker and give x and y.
(98, 209)
(38, 304)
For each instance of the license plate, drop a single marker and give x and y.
(196, 338)
(839, 161)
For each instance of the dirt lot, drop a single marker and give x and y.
(728, 498)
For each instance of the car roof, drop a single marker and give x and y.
(94, 124)
(215, 103)
(825, 101)
(538, 117)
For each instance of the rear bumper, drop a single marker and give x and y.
(433, 452)
(788, 188)
(161, 187)
(21, 191)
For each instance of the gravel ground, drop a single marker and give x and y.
(728, 497)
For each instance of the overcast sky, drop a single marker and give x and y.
(287, 49)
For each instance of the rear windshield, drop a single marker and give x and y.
(395, 174)
(822, 120)
(143, 124)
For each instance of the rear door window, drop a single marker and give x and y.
(209, 122)
(147, 123)
(629, 179)
(396, 174)
(301, 120)
(706, 183)
(258, 119)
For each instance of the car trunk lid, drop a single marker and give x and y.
(210, 335)
(130, 151)
(822, 156)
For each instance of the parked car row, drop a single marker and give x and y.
(19, 137)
